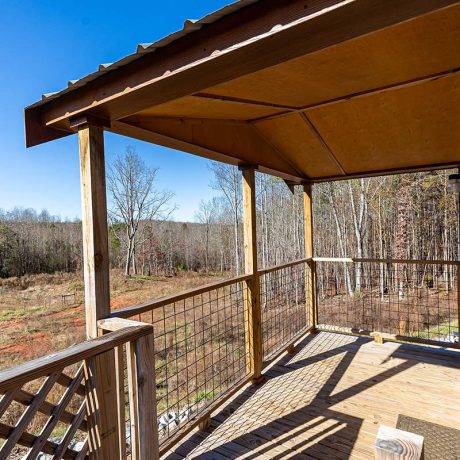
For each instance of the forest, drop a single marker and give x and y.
(411, 216)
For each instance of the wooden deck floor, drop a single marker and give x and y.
(327, 400)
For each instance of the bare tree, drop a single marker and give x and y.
(227, 179)
(205, 216)
(135, 202)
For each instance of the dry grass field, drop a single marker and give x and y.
(43, 313)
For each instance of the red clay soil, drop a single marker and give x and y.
(31, 336)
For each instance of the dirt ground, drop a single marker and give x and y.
(45, 313)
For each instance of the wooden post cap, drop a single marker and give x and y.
(394, 444)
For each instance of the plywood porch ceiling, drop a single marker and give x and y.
(386, 101)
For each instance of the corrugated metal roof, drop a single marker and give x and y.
(190, 26)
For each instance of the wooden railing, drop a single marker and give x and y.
(200, 352)
(413, 300)
(52, 405)
(201, 347)
(170, 381)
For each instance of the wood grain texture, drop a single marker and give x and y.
(328, 399)
(142, 398)
(144, 363)
(121, 398)
(394, 444)
(27, 440)
(94, 226)
(55, 416)
(310, 272)
(101, 406)
(27, 417)
(101, 372)
(95, 414)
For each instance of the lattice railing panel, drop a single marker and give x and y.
(47, 416)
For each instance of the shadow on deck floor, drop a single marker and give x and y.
(327, 400)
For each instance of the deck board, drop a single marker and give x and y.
(327, 400)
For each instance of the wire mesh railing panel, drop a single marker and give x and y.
(200, 353)
(405, 298)
(285, 296)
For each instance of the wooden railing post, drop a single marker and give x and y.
(253, 320)
(104, 435)
(458, 304)
(458, 266)
(140, 365)
(310, 278)
(142, 399)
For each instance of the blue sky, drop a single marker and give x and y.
(45, 43)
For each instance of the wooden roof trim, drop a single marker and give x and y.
(189, 66)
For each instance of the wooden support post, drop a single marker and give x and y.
(310, 281)
(101, 369)
(142, 399)
(458, 266)
(252, 311)
(205, 423)
(94, 226)
(458, 304)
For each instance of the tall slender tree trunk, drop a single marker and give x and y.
(402, 248)
(341, 240)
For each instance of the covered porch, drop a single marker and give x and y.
(308, 92)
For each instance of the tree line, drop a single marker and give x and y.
(401, 216)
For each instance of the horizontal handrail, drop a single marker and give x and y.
(286, 265)
(162, 301)
(151, 305)
(386, 261)
(40, 367)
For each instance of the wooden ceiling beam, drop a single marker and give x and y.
(256, 37)
(245, 101)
